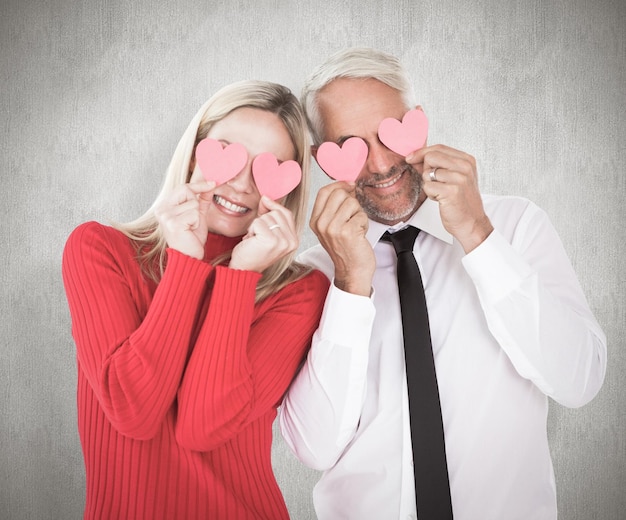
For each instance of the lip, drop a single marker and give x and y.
(386, 183)
(228, 206)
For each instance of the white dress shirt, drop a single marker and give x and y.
(510, 327)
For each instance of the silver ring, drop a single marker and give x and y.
(273, 226)
(433, 177)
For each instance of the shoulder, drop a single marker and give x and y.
(318, 258)
(510, 211)
(518, 219)
(305, 296)
(498, 203)
(314, 282)
(91, 233)
(92, 239)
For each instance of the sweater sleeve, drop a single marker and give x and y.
(241, 365)
(133, 357)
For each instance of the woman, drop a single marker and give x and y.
(190, 323)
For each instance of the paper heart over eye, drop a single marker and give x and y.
(345, 163)
(406, 136)
(272, 179)
(218, 163)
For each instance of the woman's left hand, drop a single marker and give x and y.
(271, 236)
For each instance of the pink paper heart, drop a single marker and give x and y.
(272, 179)
(406, 136)
(345, 163)
(220, 164)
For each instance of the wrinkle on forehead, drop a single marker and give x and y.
(355, 107)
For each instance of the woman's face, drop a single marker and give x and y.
(235, 203)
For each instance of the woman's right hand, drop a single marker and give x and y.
(182, 217)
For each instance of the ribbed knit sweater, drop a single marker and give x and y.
(178, 382)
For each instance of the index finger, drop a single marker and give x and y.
(325, 193)
(418, 156)
(201, 187)
(267, 205)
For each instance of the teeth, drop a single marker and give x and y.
(388, 183)
(229, 205)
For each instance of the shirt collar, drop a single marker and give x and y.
(427, 218)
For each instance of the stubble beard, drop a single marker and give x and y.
(397, 207)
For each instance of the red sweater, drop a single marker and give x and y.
(178, 382)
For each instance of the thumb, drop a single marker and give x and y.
(266, 205)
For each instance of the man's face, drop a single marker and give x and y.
(388, 189)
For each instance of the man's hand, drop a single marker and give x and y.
(340, 225)
(456, 191)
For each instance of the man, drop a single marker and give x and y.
(509, 323)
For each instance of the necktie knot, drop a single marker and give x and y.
(402, 240)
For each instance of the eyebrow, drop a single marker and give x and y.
(342, 139)
(280, 161)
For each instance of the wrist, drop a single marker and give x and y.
(477, 235)
(354, 283)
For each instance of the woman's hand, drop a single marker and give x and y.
(182, 217)
(271, 236)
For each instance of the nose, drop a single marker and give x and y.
(243, 182)
(380, 159)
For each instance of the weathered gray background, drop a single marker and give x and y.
(94, 96)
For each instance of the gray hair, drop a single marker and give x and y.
(354, 63)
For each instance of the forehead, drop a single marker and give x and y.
(355, 107)
(258, 130)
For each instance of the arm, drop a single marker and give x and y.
(240, 366)
(132, 357)
(532, 301)
(321, 411)
(537, 311)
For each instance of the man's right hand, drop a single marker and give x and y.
(340, 225)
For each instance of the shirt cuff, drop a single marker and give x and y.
(496, 268)
(347, 318)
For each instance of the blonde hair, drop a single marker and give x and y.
(277, 99)
(353, 63)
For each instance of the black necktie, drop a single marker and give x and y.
(432, 488)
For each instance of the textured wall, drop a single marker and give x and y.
(94, 96)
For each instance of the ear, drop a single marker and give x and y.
(419, 107)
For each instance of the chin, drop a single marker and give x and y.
(390, 214)
(229, 226)
(224, 229)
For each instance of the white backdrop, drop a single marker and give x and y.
(94, 96)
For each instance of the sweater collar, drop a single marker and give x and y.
(217, 245)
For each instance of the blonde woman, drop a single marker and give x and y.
(190, 323)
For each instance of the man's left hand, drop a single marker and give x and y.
(455, 188)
